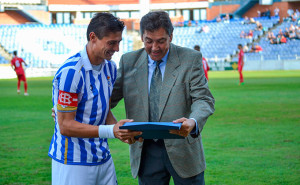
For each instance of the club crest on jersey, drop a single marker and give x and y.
(67, 99)
(108, 80)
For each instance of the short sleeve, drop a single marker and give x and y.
(70, 81)
(69, 85)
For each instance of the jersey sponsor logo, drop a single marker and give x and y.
(108, 81)
(67, 99)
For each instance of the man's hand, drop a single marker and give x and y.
(125, 135)
(53, 114)
(186, 127)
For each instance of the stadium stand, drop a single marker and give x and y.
(286, 51)
(48, 45)
(3, 60)
(221, 41)
(48, 42)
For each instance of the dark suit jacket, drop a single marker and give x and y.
(184, 93)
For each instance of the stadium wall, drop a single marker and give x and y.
(12, 17)
(272, 65)
(214, 11)
(92, 2)
(6, 72)
(283, 7)
(44, 16)
(267, 65)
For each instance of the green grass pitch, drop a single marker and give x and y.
(253, 137)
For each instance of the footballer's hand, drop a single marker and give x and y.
(125, 135)
(186, 127)
(53, 113)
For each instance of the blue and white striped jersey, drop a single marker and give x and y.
(94, 89)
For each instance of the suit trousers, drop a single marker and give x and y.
(156, 168)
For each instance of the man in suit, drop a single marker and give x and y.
(183, 97)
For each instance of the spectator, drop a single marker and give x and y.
(280, 32)
(252, 21)
(246, 20)
(298, 15)
(267, 13)
(259, 26)
(256, 49)
(276, 12)
(243, 34)
(271, 35)
(297, 32)
(286, 33)
(250, 35)
(290, 12)
(278, 40)
(258, 13)
(226, 19)
(218, 19)
(292, 35)
(292, 27)
(282, 39)
(246, 49)
(295, 17)
(204, 29)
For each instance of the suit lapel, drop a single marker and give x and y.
(141, 78)
(170, 76)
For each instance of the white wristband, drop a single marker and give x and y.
(106, 131)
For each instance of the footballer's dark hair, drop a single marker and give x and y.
(154, 20)
(102, 24)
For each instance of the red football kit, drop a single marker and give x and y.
(205, 67)
(18, 67)
(17, 63)
(240, 67)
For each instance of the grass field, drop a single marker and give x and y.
(253, 137)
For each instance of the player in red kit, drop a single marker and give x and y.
(205, 64)
(16, 64)
(205, 67)
(241, 64)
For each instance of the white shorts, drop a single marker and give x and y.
(103, 174)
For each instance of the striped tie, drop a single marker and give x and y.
(154, 95)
